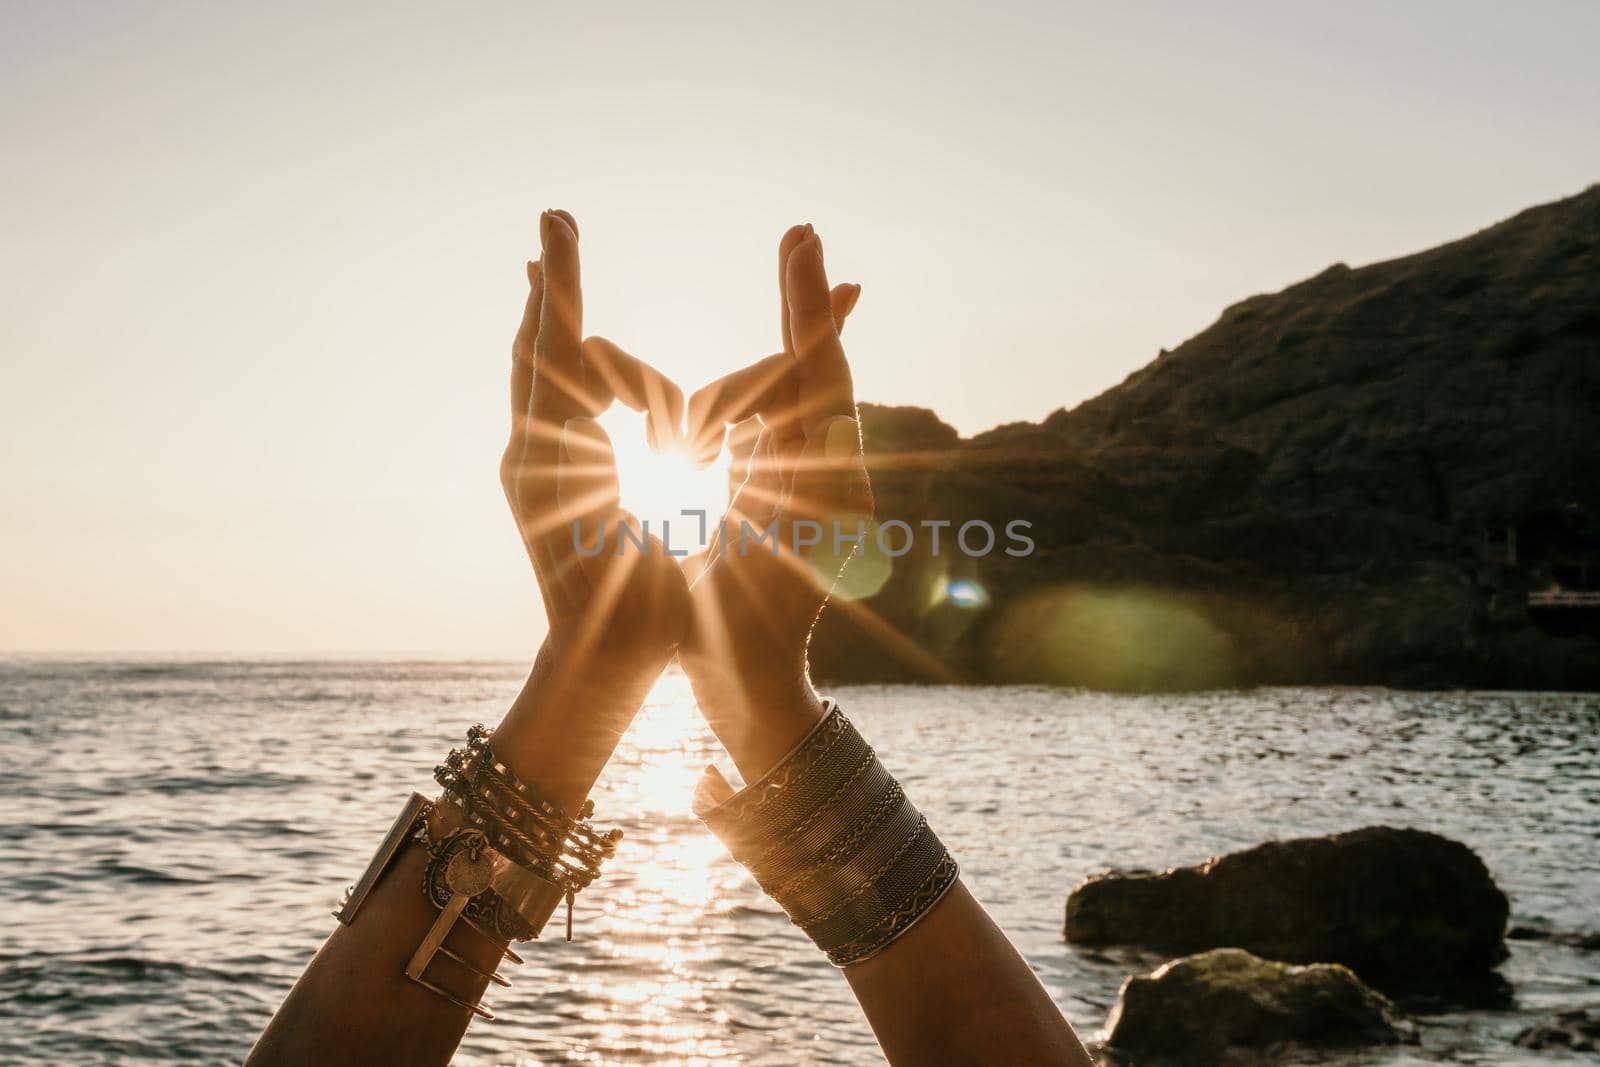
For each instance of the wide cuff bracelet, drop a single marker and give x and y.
(831, 836)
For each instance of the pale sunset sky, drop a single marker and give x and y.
(262, 263)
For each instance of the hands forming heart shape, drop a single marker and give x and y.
(842, 849)
(618, 617)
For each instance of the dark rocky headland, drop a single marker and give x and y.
(1360, 479)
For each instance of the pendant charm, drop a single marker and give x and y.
(467, 873)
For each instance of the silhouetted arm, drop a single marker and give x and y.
(952, 989)
(955, 990)
(353, 1004)
(614, 624)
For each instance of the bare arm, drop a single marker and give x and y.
(354, 1004)
(955, 990)
(614, 623)
(952, 988)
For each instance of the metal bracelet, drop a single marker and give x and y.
(411, 826)
(501, 867)
(560, 857)
(830, 835)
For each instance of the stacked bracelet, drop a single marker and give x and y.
(830, 835)
(500, 860)
(516, 819)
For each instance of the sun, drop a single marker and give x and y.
(660, 487)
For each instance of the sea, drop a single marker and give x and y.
(176, 832)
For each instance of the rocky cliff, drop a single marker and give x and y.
(1358, 479)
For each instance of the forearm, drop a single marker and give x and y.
(354, 1003)
(947, 988)
(954, 990)
(563, 727)
(755, 740)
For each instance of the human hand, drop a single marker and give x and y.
(752, 608)
(615, 619)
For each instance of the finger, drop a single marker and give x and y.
(778, 416)
(824, 516)
(743, 436)
(593, 403)
(788, 451)
(842, 299)
(823, 375)
(567, 217)
(641, 387)
(522, 360)
(760, 494)
(733, 398)
(588, 494)
(783, 413)
(754, 504)
(558, 391)
(766, 388)
(520, 469)
(829, 479)
(556, 397)
(786, 246)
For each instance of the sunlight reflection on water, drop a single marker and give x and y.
(194, 823)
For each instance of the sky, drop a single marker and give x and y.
(262, 263)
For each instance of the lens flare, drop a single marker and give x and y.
(1114, 638)
(964, 592)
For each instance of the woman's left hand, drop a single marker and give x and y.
(615, 617)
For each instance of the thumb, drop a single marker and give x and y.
(830, 476)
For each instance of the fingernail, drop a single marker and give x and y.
(711, 790)
(809, 229)
(851, 296)
(544, 229)
(578, 434)
(567, 429)
(814, 241)
(807, 242)
(533, 273)
(841, 438)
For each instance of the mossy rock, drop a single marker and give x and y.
(1228, 1006)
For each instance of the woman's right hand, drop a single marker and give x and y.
(753, 609)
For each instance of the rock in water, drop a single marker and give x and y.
(1224, 1005)
(1576, 1030)
(1399, 907)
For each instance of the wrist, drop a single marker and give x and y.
(758, 724)
(564, 725)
